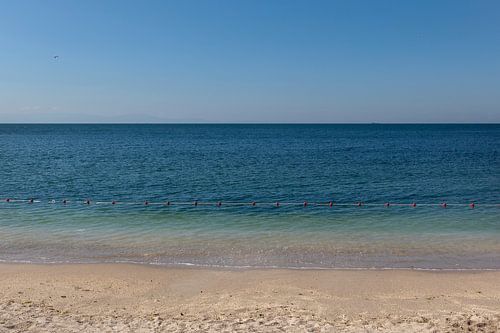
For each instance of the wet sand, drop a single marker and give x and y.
(138, 298)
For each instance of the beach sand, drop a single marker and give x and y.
(140, 298)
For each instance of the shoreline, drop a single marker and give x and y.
(132, 297)
(245, 267)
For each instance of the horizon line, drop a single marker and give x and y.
(249, 123)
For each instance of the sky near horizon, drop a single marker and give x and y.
(250, 61)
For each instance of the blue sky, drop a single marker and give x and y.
(250, 61)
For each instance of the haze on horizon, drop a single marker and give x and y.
(250, 61)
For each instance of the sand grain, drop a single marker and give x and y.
(130, 298)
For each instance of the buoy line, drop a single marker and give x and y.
(275, 204)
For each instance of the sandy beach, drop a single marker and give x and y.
(137, 298)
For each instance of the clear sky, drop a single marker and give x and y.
(250, 61)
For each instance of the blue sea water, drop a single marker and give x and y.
(373, 164)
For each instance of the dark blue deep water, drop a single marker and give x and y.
(373, 164)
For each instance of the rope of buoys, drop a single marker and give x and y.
(276, 204)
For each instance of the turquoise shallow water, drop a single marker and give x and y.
(245, 163)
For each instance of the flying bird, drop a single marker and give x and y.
(56, 56)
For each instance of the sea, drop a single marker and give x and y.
(231, 195)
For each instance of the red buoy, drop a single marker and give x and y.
(472, 205)
(387, 204)
(359, 204)
(305, 203)
(414, 205)
(444, 205)
(330, 204)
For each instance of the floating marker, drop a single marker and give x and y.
(295, 203)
